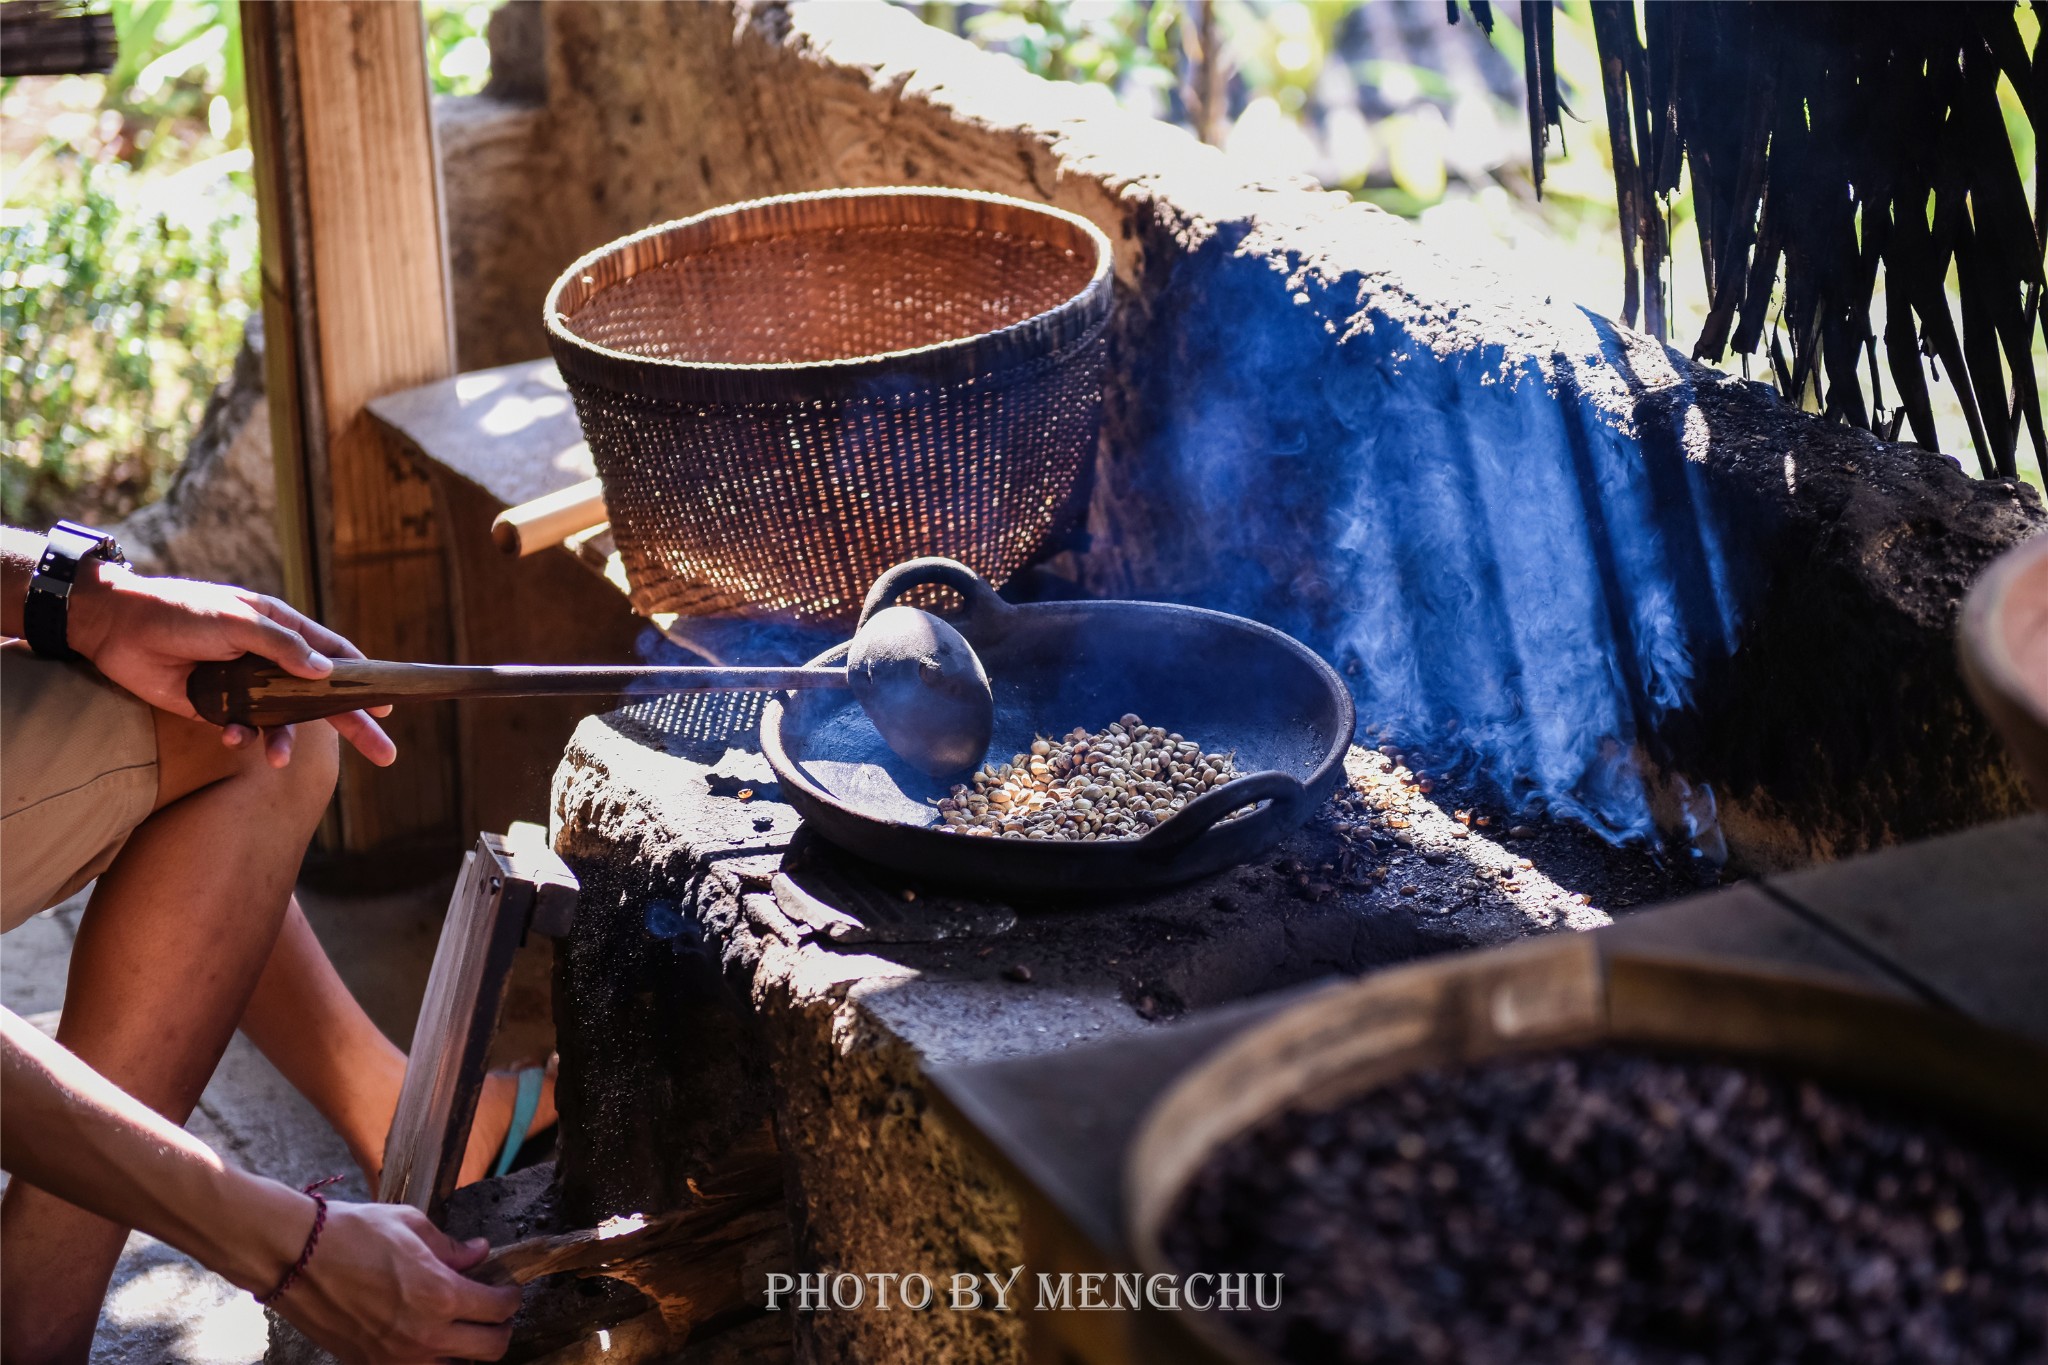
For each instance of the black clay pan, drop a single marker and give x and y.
(1225, 682)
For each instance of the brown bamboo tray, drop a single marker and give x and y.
(785, 397)
(1559, 992)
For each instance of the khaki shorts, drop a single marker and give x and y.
(77, 775)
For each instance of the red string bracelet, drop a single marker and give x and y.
(291, 1276)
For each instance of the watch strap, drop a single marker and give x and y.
(46, 612)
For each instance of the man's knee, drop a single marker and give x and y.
(191, 756)
(316, 763)
(303, 786)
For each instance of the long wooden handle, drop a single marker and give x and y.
(253, 691)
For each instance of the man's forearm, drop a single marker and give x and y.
(67, 1129)
(19, 551)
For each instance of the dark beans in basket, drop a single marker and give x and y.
(1608, 1205)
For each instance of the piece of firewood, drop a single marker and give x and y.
(693, 1264)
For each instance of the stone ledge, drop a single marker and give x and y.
(725, 965)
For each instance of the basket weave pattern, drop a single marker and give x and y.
(786, 398)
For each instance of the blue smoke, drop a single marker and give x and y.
(1521, 572)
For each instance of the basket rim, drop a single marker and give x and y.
(1065, 328)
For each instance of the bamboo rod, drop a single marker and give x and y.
(547, 521)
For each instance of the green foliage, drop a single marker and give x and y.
(1272, 55)
(458, 48)
(120, 314)
(1308, 91)
(180, 71)
(127, 263)
(1130, 46)
(1278, 50)
(128, 252)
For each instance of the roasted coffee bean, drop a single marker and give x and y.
(1608, 1205)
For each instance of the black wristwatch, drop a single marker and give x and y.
(46, 615)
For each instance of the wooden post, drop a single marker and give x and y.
(355, 304)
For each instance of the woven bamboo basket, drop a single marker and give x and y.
(788, 396)
(1571, 990)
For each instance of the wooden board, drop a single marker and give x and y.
(1965, 918)
(507, 886)
(511, 431)
(356, 304)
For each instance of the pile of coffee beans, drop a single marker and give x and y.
(1115, 783)
(1607, 1205)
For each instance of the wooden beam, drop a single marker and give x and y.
(355, 287)
(272, 85)
(54, 38)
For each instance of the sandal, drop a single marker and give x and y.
(515, 1155)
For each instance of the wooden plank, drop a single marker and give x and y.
(555, 888)
(1741, 924)
(373, 197)
(1965, 917)
(488, 917)
(511, 431)
(42, 40)
(356, 304)
(437, 1101)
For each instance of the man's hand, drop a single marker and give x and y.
(385, 1285)
(146, 634)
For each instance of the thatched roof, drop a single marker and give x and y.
(1833, 147)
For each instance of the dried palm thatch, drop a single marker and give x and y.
(1852, 143)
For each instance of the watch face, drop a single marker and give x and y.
(102, 543)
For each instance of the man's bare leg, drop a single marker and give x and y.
(303, 1018)
(170, 948)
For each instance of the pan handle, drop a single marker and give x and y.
(981, 599)
(1193, 820)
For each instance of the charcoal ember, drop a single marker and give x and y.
(1608, 1205)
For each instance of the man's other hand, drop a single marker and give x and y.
(146, 634)
(386, 1285)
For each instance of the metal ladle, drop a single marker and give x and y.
(915, 676)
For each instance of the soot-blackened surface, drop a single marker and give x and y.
(1613, 1206)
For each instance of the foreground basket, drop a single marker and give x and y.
(786, 397)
